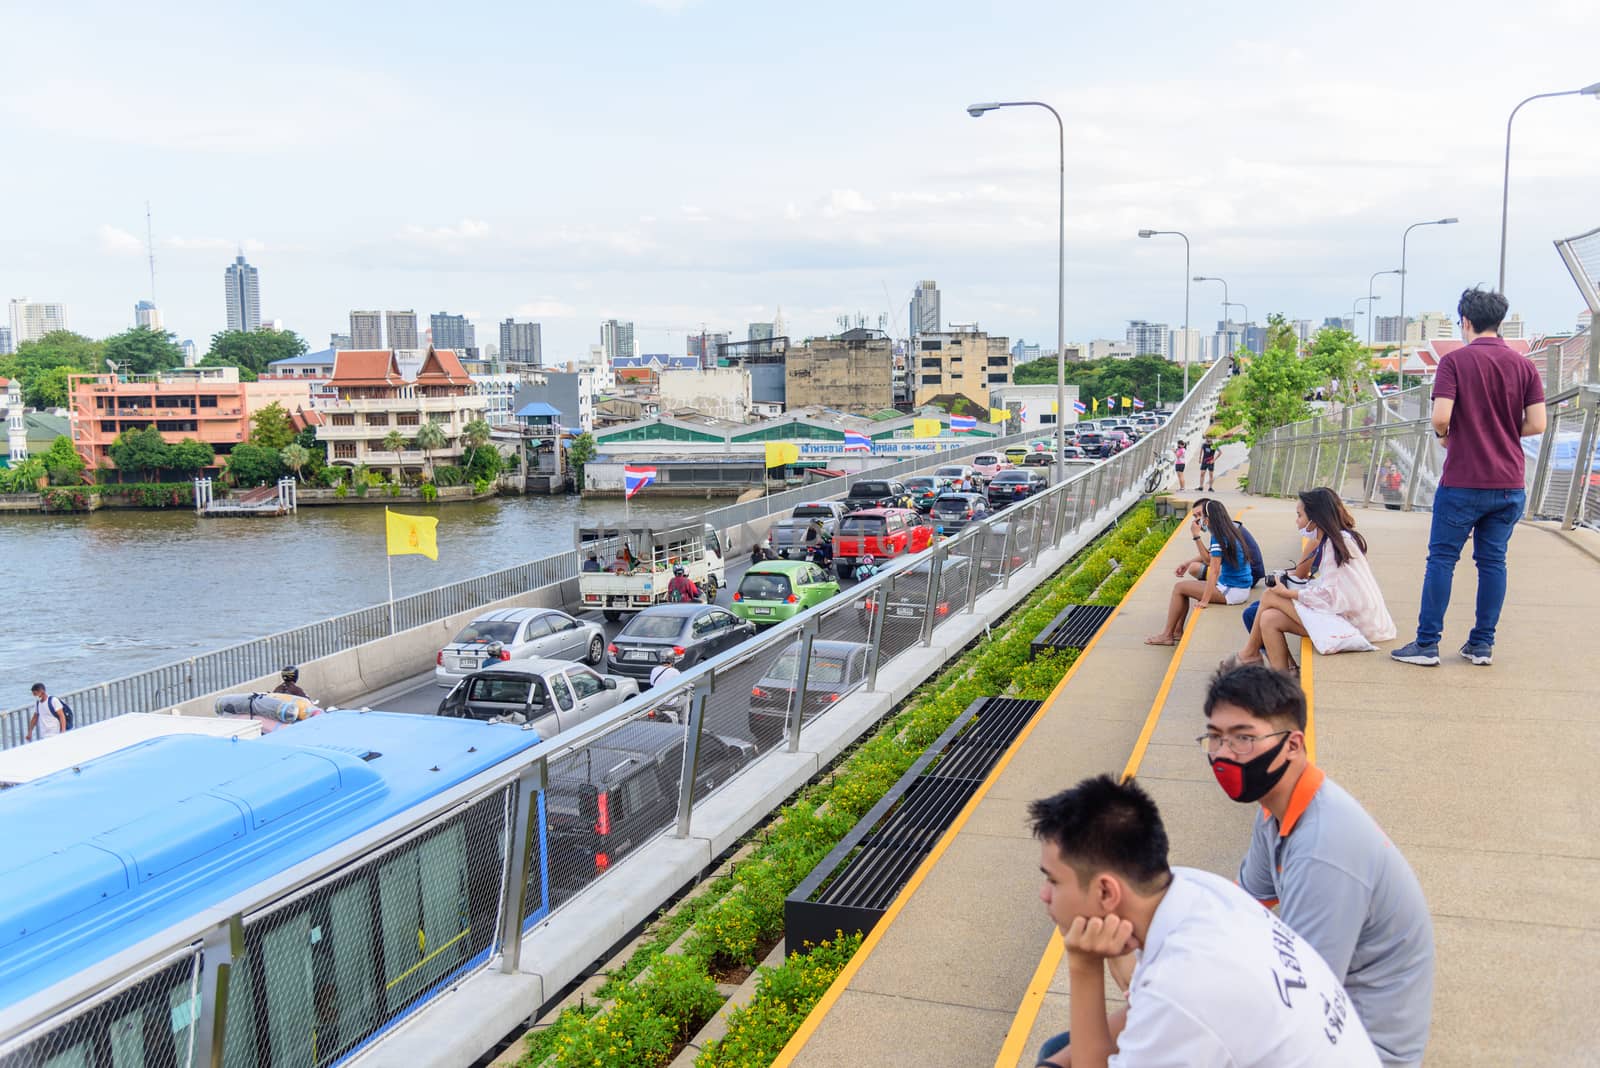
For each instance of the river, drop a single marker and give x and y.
(95, 597)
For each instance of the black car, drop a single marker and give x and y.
(877, 493)
(678, 634)
(1009, 487)
(1091, 442)
(835, 669)
(992, 551)
(906, 595)
(955, 510)
(610, 796)
(1037, 459)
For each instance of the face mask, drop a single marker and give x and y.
(1250, 781)
(1309, 532)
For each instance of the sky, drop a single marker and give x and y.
(689, 163)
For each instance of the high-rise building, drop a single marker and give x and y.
(452, 332)
(191, 352)
(146, 314)
(1386, 330)
(1022, 352)
(521, 343)
(1304, 330)
(1332, 322)
(366, 330)
(339, 341)
(1513, 327)
(704, 347)
(7, 346)
(244, 296)
(401, 327)
(1181, 344)
(32, 320)
(758, 332)
(1147, 339)
(1431, 325)
(924, 317)
(966, 362)
(616, 338)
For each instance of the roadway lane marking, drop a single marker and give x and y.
(841, 982)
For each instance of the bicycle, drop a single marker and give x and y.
(1158, 474)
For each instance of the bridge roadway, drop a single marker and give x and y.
(1483, 777)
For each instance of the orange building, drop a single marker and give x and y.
(205, 403)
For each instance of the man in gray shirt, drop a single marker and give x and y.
(1336, 878)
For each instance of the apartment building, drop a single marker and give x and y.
(964, 362)
(208, 404)
(372, 397)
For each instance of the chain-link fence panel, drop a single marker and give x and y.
(331, 966)
(1355, 479)
(148, 1019)
(1562, 438)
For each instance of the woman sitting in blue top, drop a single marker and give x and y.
(1227, 578)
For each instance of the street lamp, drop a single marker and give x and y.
(1371, 280)
(1356, 313)
(977, 111)
(1403, 237)
(1180, 233)
(1208, 278)
(1505, 182)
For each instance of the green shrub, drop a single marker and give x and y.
(784, 996)
(430, 492)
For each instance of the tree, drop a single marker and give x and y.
(430, 436)
(253, 350)
(1148, 377)
(48, 389)
(143, 351)
(294, 456)
(189, 457)
(1274, 391)
(42, 365)
(250, 464)
(24, 478)
(1336, 354)
(271, 427)
(142, 450)
(63, 463)
(395, 442)
(581, 452)
(475, 435)
(1281, 335)
(316, 452)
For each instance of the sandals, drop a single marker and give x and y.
(1161, 639)
(1233, 662)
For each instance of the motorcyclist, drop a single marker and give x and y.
(290, 683)
(866, 567)
(682, 587)
(822, 553)
(761, 553)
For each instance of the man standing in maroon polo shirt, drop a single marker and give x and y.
(1487, 397)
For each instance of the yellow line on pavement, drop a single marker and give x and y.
(842, 981)
(1307, 650)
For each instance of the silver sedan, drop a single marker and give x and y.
(518, 634)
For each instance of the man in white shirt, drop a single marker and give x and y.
(1220, 981)
(48, 718)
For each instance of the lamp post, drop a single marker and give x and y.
(1355, 312)
(1403, 238)
(1371, 280)
(977, 111)
(1208, 278)
(1505, 182)
(1179, 233)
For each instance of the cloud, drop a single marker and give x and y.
(670, 7)
(841, 202)
(545, 308)
(466, 230)
(212, 244)
(115, 241)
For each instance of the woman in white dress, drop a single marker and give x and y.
(1341, 610)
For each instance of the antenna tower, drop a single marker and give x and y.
(150, 249)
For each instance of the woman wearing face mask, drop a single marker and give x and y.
(1227, 578)
(1341, 610)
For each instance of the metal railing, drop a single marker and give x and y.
(184, 680)
(1384, 452)
(284, 973)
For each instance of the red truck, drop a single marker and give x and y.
(881, 533)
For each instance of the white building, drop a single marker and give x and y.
(1102, 347)
(1036, 404)
(1185, 342)
(1429, 326)
(16, 422)
(719, 392)
(32, 320)
(1513, 327)
(146, 314)
(1147, 338)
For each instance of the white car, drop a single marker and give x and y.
(549, 696)
(518, 634)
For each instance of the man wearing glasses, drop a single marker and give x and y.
(1337, 880)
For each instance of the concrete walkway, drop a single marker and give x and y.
(1483, 777)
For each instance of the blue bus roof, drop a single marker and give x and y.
(105, 854)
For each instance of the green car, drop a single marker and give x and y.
(779, 589)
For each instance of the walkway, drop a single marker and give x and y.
(1485, 778)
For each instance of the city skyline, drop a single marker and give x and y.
(1295, 195)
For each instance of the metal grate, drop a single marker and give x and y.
(1073, 628)
(856, 882)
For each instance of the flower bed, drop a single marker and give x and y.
(736, 920)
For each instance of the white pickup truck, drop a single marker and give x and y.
(626, 567)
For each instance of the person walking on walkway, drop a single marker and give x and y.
(1219, 979)
(1227, 579)
(1179, 454)
(1336, 878)
(49, 716)
(1487, 397)
(1208, 466)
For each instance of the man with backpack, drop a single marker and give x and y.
(51, 716)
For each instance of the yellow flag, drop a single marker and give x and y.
(412, 534)
(999, 415)
(1127, 403)
(1095, 405)
(925, 428)
(1054, 408)
(782, 452)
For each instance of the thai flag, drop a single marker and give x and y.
(962, 424)
(1137, 404)
(1022, 413)
(635, 479)
(856, 442)
(1079, 407)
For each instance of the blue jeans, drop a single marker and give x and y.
(1052, 1046)
(1488, 516)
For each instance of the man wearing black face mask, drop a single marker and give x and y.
(1336, 878)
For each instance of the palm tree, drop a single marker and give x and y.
(475, 435)
(295, 456)
(395, 442)
(430, 436)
